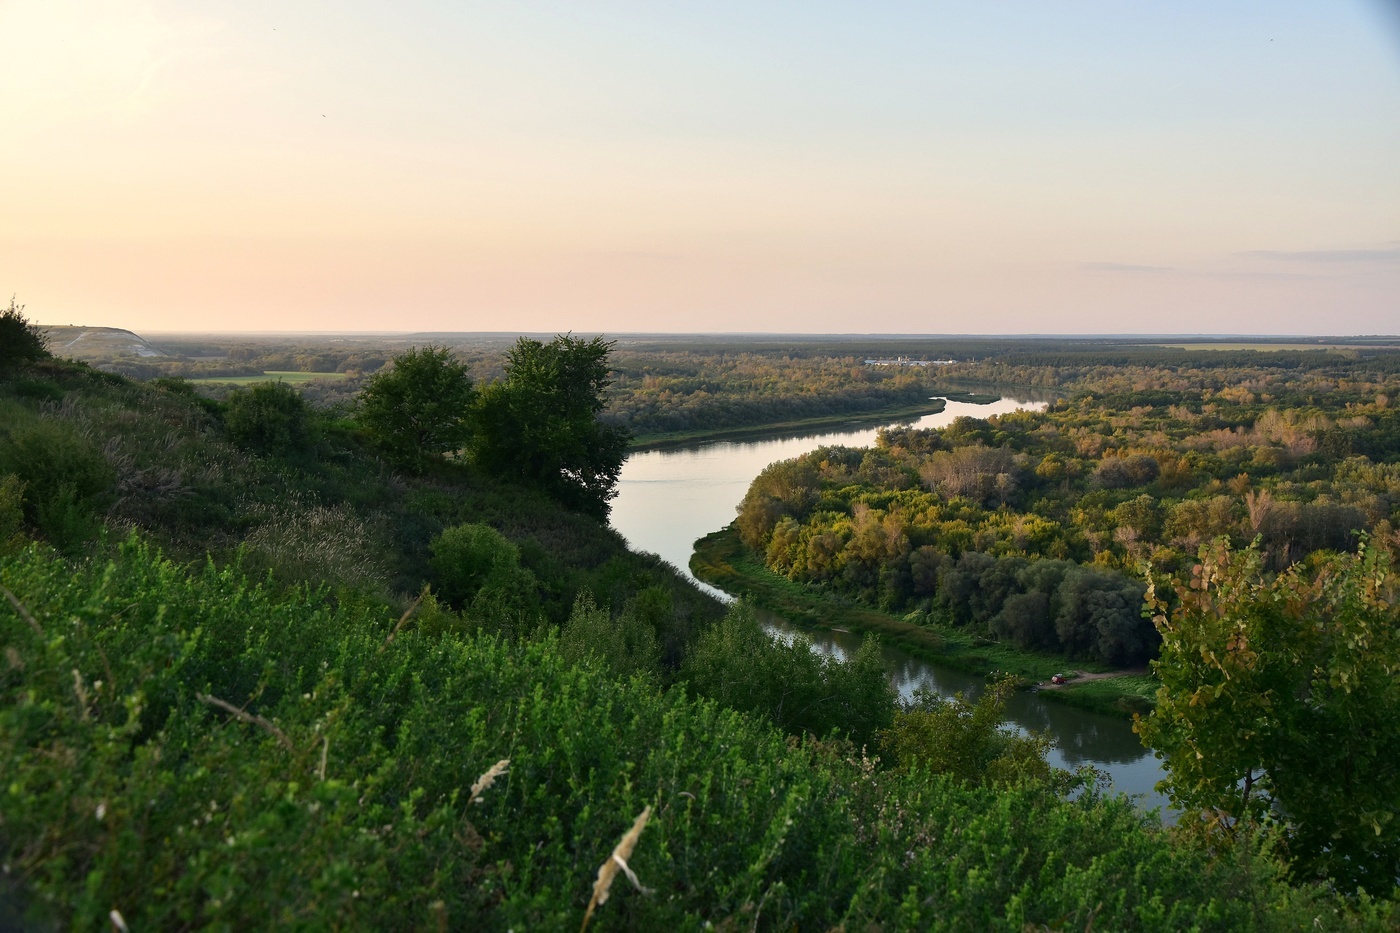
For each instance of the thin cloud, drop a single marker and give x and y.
(1123, 267)
(1325, 255)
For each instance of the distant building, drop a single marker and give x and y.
(905, 361)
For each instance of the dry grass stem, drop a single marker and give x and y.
(325, 750)
(118, 921)
(81, 692)
(615, 862)
(248, 718)
(23, 612)
(487, 779)
(403, 620)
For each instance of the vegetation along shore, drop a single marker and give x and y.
(367, 653)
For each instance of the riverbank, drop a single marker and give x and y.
(721, 560)
(675, 439)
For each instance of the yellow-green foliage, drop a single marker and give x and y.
(1279, 701)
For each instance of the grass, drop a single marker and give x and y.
(271, 376)
(721, 560)
(885, 415)
(1127, 693)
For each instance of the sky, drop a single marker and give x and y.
(892, 167)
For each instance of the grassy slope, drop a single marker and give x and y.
(341, 798)
(721, 560)
(333, 512)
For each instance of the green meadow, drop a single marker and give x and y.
(270, 376)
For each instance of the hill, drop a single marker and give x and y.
(90, 344)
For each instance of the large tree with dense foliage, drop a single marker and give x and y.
(20, 341)
(1279, 702)
(420, 408)
(539, 425)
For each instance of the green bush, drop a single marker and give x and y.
(269, 417)
(67, 480)
(43, 390)
(473, 564)
(20, 341)
(737, 663)
(967, 740)
(626, 644)
(418, 409)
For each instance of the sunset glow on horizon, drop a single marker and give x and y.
(629, 167)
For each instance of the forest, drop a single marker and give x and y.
(384, 664)
(1037, 525)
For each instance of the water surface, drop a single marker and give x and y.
(667, 499)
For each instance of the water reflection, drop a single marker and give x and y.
(666, 499)
(1081, 738)
(669, 498)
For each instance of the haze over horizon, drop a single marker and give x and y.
(1009, 168)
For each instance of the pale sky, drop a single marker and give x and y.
(912, 167)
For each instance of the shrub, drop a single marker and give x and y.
(270, 417)
(968, 740)
(626, 644)
(20, 341)
(737, 663)
(475, 565)
(66, 480)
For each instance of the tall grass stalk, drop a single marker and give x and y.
(615, 862)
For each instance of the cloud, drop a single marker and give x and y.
(1122, 267)
(1326, 255)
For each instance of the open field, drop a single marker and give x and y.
(271, 376)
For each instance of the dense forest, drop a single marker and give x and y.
(270, 663)
(1037, 525)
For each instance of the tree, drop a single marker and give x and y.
(474, 565)
(738, 664)
(419, 409)
(20, 341)
(967, 739)
(1279, 702)
(271, 417)
(539, 425)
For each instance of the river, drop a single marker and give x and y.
(669, 498)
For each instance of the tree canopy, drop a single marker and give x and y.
(20, 341)
(420, 408)
(1279, 700)
(271, 417)
(539, 425)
